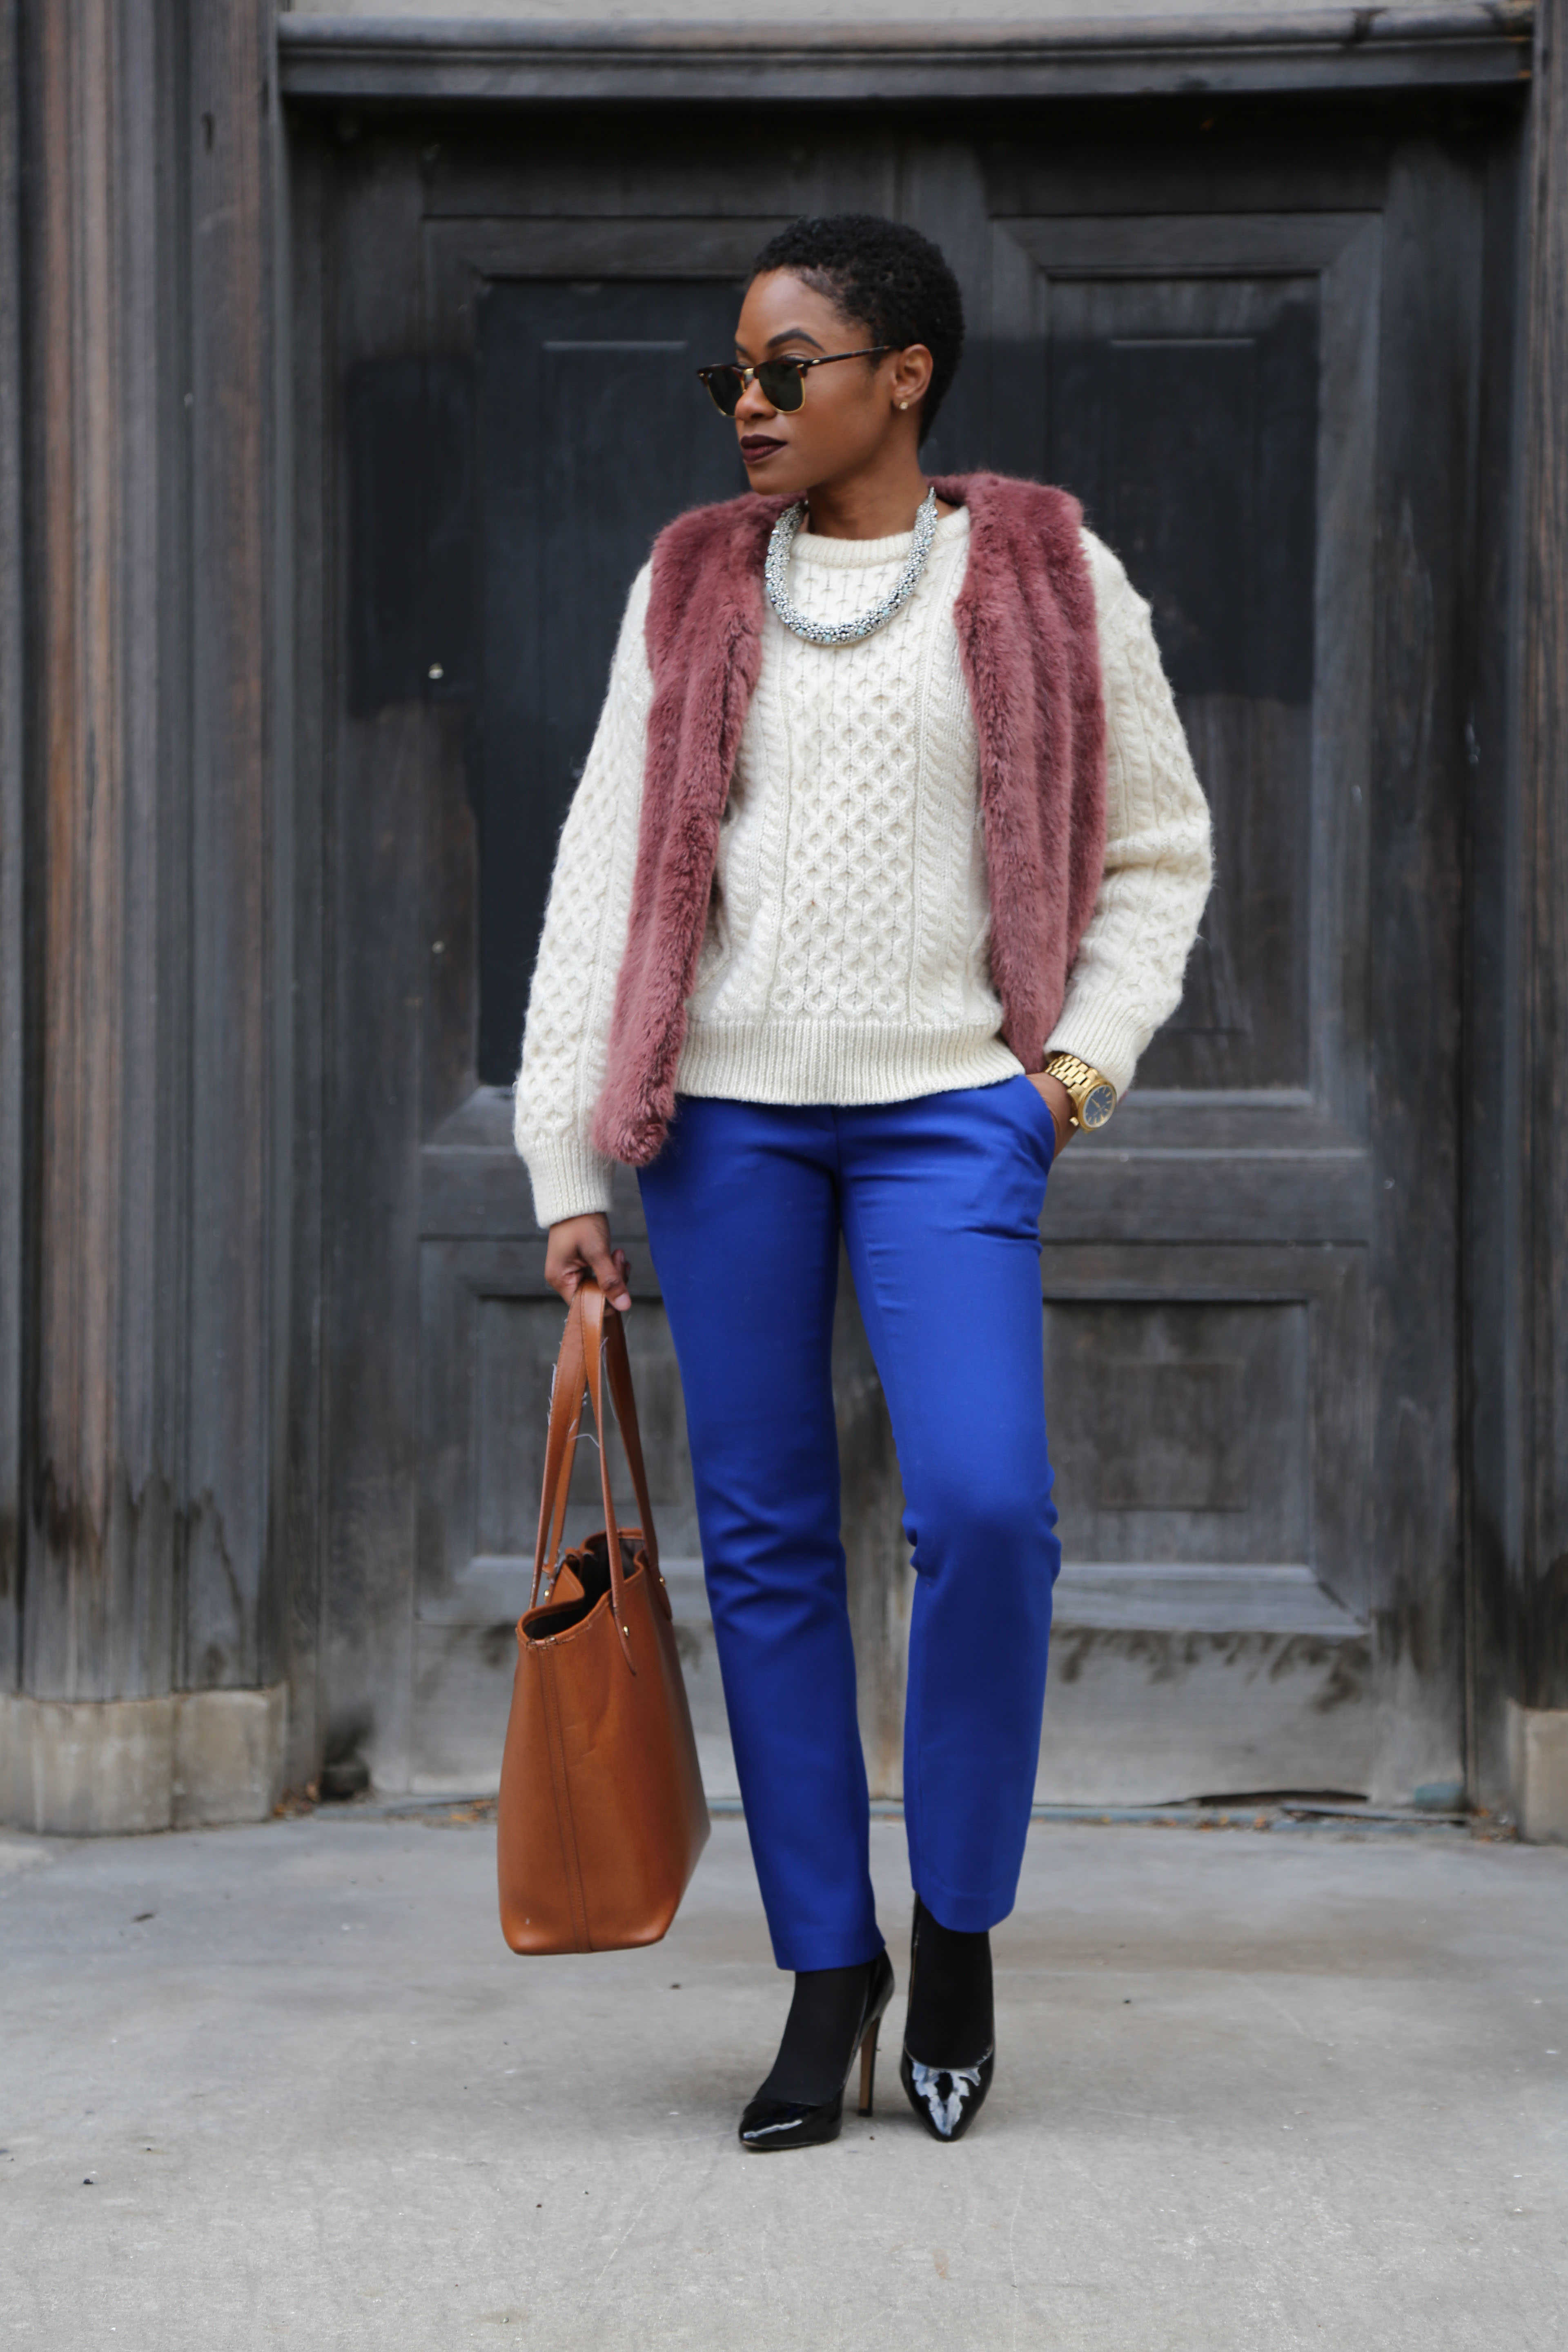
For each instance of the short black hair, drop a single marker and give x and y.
(895, 282)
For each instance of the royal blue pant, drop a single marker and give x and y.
(938, 1200)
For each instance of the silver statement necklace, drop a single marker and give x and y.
(776, 575)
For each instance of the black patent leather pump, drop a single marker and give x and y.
(955, 1986)
(769, 2124)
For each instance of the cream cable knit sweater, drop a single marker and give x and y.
(846, 954)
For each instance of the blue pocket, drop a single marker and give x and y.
(1039, 1115)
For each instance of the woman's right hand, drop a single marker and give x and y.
(580, 1247)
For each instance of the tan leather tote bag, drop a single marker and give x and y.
(602, 1815)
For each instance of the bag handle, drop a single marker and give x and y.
(593, 1344)
(560, 1449)
(611, 1330)
(605, 1340)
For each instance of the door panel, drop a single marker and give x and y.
(1184, 413)
(1179, 1431)
(581, 384)
(1179, 372)
(1206, 385)
(592, 431)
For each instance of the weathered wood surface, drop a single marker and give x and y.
(11, 708)
(151, 554)
(1495, 1177)
(1426, 449)
(1542, 1588)
(377, 778)
(105, 1468)
(496, 62)
(298, 1493)
(229, 1633)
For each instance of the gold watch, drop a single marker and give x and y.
(1093, 1097)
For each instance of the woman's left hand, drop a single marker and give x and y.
(1058, 1102)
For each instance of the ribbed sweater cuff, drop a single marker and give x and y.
(1109, 1036)
(569, 1179)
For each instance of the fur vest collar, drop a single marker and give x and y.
(1026, 623)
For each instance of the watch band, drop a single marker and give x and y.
(1093, 1095)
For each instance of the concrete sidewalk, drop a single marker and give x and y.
(285, 2086)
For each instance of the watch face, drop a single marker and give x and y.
(1097, 1105)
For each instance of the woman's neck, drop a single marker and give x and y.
(880, 502)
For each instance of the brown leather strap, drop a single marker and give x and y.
(605, 1338)
(593, 1310)
(571, 1367)
(560, 1447)
(619, 1363)
(592, 1350)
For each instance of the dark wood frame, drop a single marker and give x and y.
(1533, 1649)
(1335, 48)
(13, 703)
(137, 1047)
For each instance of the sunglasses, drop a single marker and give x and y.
(783, 382)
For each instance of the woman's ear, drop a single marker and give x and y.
(911, 375)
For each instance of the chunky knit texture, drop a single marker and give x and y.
(846, 941)
(847, 950)
(1025, 619)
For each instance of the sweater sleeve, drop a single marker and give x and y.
(567, 1036)
(1127, 976)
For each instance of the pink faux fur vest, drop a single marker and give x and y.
(1025, 617)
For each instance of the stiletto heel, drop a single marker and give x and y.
(771, 2123)
(868, 2066)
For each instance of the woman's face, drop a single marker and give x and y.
(850, 411)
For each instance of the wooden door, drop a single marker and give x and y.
(1206, 1323)
(1247, 1280)
(1255, 382)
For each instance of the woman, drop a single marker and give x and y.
(882, 871)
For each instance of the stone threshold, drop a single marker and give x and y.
(102, 1767)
